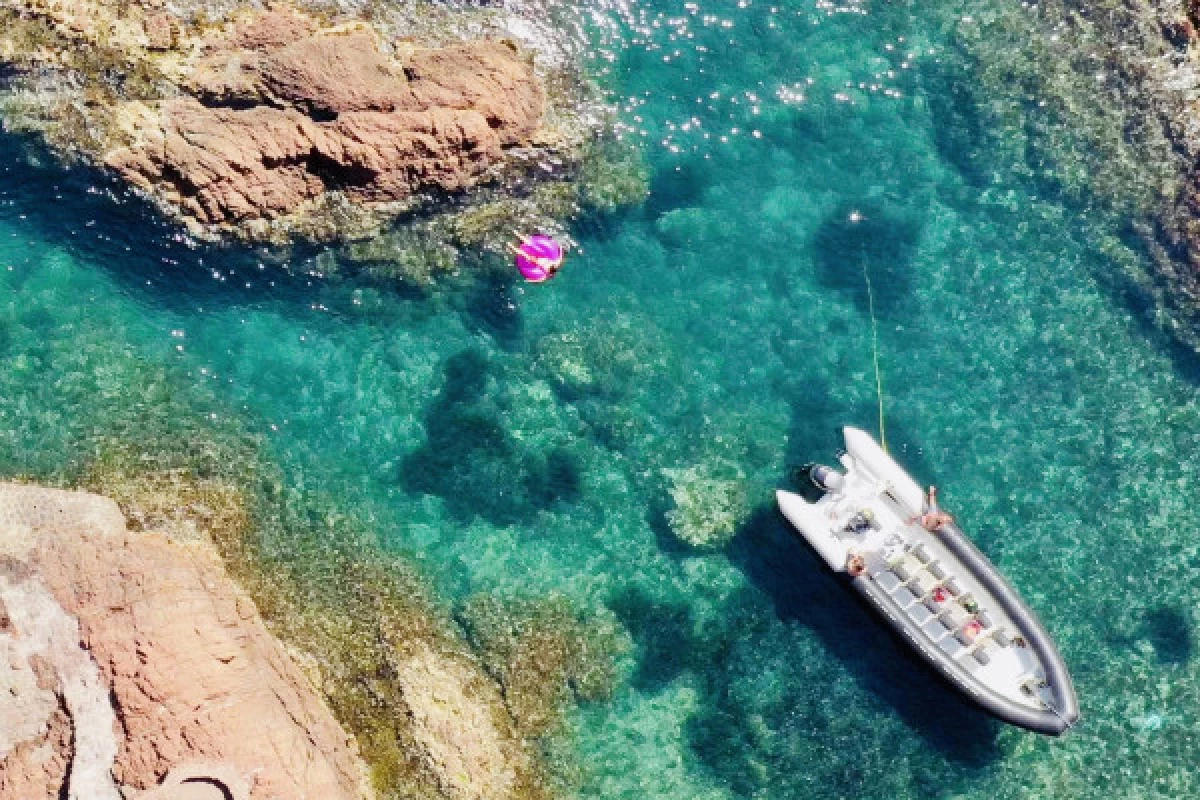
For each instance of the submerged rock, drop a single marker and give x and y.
(710, 502)
(250, 123)
(544, 654)
(467, 749)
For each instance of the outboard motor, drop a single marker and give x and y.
(827, 479)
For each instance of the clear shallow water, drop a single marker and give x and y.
(514, 439)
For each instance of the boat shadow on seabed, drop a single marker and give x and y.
(802, 589)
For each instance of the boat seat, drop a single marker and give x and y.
(982, 656)
(903, 597)
(965, 635)
(985, 619)
(922, 553)
(902, 571)
(923, 584)
(934, 605)
(955, 616)
(952, 646)
(920, 613)
(953, 586)
(887, 580)
(1001, 637)
(936, 570)
(936, 629)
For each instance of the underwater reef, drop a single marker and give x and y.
(1094, 103)
(708, 510)
(319, 122)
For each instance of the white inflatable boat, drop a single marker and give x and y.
(934, 587)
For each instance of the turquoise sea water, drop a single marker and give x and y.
(515, 439)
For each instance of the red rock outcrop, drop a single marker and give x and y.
(280, 113)
(327, 75)
(131, 662)
(240, 120)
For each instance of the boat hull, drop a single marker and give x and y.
(1050, 722)
(936, 590)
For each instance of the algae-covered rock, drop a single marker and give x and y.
(1094, 102)
(454, 712)
(419, 249)
(544, 654)
(710, 501)
(613, 175)
(607, 355)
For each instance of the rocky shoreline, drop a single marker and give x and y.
(133, 666)
(265, 123)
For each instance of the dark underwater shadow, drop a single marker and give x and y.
(678, 186)
(490, 306)
(880, 238)
(802, 588)
(1169, 631)
(1145, 307)
(958, 132)
(662, 631)
(471, 461)
(658, 505)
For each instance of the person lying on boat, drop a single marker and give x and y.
(855, 564)
(932, 518)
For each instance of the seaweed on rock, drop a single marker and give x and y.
(545, 654)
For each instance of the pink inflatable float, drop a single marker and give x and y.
(538, 257)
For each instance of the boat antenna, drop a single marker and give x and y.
(856, 216)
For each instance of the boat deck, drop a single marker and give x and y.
(944, 605)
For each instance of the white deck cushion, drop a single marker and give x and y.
(887, 579)
(903, 597)
(955, 616)
(920, 613)
(924, 583)
(935, 629)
